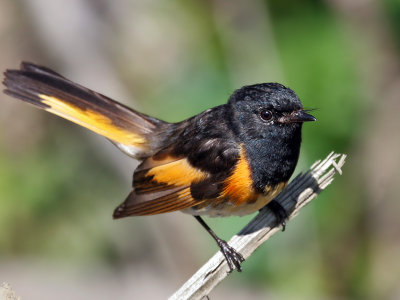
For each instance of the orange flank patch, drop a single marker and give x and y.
(92, 120)
(238, 187)
(178, 172)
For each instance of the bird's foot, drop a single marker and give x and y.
(233, 258)
(280, 213)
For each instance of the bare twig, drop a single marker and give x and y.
(6, 293)
(299, 192)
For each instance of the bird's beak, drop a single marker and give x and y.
(298, 116)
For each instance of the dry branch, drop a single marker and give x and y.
(299, 192)
(6, 292)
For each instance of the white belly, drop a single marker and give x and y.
(229, 209)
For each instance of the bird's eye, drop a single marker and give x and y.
(266, 115)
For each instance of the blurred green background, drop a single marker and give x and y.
(172, 59)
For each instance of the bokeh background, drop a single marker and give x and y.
(60, 183)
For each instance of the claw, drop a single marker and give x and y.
(232, 257)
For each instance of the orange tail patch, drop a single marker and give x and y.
(91, 120)
(132, 131)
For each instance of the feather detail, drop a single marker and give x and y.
(161, 185)
(238, 187)
(130, 130)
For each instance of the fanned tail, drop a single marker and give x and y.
(133, 132)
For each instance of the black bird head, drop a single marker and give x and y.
(268, 108)
(268, 118)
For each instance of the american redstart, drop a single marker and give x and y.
(232, 159)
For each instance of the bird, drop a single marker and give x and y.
(230, 160)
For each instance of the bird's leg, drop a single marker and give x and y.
(280, 213)
(233, 258)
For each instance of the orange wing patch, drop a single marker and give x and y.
(238, 187)
(178, 172)
(92, 120)
(160, 186)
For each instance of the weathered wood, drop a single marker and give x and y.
(298, 193)
(6, 292)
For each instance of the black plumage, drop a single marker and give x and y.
(228, 160)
